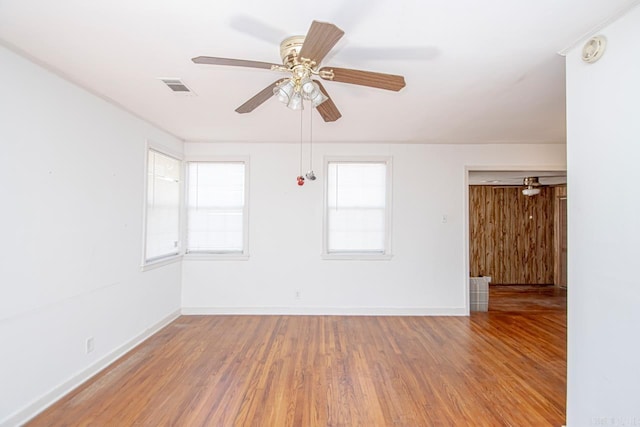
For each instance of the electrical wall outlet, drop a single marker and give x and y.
(90, 345)
(298, 294)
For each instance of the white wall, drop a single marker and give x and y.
(603, 117)
(72, 172)
(427, 272)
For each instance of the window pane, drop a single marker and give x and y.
(215, 207)
(163, 206)
(356, 202)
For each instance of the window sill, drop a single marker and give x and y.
(160, 263)
(215, 257)
(357, 257)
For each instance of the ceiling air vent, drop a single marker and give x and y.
(177, 86)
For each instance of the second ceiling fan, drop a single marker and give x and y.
(531, 184)
(301, 57)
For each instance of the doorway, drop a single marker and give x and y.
(515, 237)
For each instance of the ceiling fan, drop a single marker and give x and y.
(532, 184)
(301, 58)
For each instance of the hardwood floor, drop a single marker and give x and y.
(505, 367)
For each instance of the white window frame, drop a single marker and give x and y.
(387, 253)
(204, 256)
(148, 264)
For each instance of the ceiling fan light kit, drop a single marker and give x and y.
(284, 91)
(530, 191)
(293, 92)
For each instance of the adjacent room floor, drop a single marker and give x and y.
(505, 367)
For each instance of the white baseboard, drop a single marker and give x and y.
(25, 414)
(329, 311)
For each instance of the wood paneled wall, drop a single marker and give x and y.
(511, 235)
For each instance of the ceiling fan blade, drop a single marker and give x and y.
(327, 109)
(319, 40)
(211, 60)
(364, 78)
(498, 187)
(258, 98)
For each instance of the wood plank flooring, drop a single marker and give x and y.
(506, 367)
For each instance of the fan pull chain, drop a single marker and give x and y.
(310, 175)
(300, 177)
(310, 139)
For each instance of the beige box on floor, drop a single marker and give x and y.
(479, 293)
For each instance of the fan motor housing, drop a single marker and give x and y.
(290, 48)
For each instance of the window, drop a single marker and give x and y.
(357, 215)
(162, 237)
(217, 208)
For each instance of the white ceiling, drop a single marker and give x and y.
(476, 71)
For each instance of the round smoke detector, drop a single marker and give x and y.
(594, 49)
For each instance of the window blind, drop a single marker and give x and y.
(163, 206)
(356, 203)
(215, 207)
